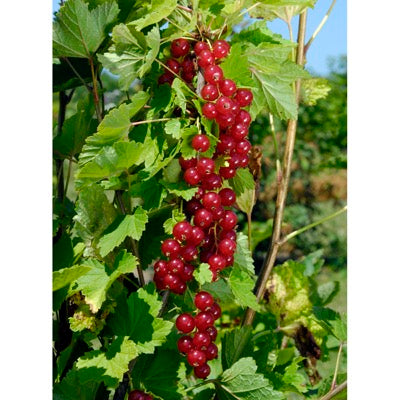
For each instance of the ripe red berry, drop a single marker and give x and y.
(243, 146)
(234, 160)
(180, 47)
(212, 331)
(226, 143)
(227, 172)
(205, 165)
(187, 64)
(224, 120)
(159, 282)
(228, 221)
(179, 288)
(227, 196)
(196, 357)
(189, 163)
(209, 92)
(188, 76)
(209, 110)
(203, 218)
(221, 48)
(185, 344)
(231, 234)
(201, 143)
(175, 266)
(205, 58)
(160, 268)
(192, 176)
(201, 340)
(203, 320)
(212, 351)
(172, 281)
(213, 74)
(226, 247)
(202, 371)
(227, 87)
(243, 160)
(203, 300)
(243, 117)
(182, 230)
(238, 131)
(217, 262)
(215, 310)
(187, 274)
(166, 77)
(196, 237)
(218, 213)
(192, 206)
(205, 255)
(200, 46)
(170, 248)
(211, 201)
(189, 252)
(229, 260)
(185, 323)
(224, 105)
(138, 395)
(173, 65)
(211, 181)
(244, 97)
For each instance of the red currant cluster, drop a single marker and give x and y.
(212, 237)
(200, 348)
(139, 395)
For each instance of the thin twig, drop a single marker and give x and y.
(333, 385)
(95, 91)
(89, 89)
(322, 23)
(276, 147)
(149, 121)
(68, 176)
(184, 8)
(307, 227)
(164, 303)
(283, 183)
(249, 229)
(334, 392)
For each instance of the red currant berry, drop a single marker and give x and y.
(215, 310)
(224, 105)
(173, 65)
(211, 181)
(217, 262)
(235, 108)
(209, 92)
(231, 234)
(159, 282)
(234, 161)
(137, 395)
(160, 268)
(199, 194)
(188, 76)
(192, 176)
(182, 231)
(185, 323)
(166, 78)
(196, 237)
(212, 351)
(196, 357)
(209, 110)
(202, 371)
(175, 266)
(200, 46)
(189, 252)
(227, 172)
(201, 143)
(179, 288)
(229, 260)
(171, 281)
(205, 166)
(221, 48)
(203, 300)
(212, 331)
(205, 255)
(192, 206)
(218, 213)
(170, 248)
(208, 241)
(227, 196)
(226, 247)
(187, 274)
(211, 201)
(243, 160)
(239, 131)
(189, 163)
(203, 218)
(187, 64)
(205, 58)
(227, 87)
(243, 117)
(226, 144)
(224, 120)
(201, 340)
(243, 147)
(185, 344)
(244, 97)
(228, 221)
(203, 320)
(213, 74)
(214, 275)
(179, 47)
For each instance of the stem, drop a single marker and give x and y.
(250, 8)
(149, 121)
(276, 147)
(184, 8)
(307, 227)
(68, 176)
(77, 74)
(336, 367)
(164, 303)
(283, 183)
(249, 229)
(322, 23)
(63, 100)
(133, 243)
(95, 92)
(334, 392)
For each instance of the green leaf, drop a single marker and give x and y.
(220, 290)
(242, 285)
(242, 181)
(176, 217)
(95, 283)
(114, 127)
(242, 382)
(173, 128)
(150, 191)
(137, 318)
(328, 291)
(131, 225)
(259, 232)
(314, 89)
(180, 189)
(180, 91)
(108, 367)
(242, 257)
(65, 276)
(293, 378)
(78, 32)
(132, 53)
(71, 388)
(154, 12)
(236, 344)
(203, 274)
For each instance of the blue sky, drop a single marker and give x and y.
(330, 42)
